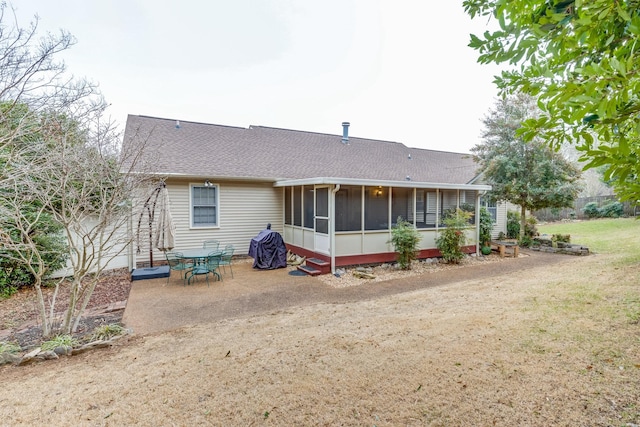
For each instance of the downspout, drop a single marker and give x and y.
(131, 261)
(332, 229)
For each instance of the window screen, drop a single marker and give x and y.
(349, 208)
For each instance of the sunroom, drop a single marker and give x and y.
(349, 221)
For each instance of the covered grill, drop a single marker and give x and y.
(268, 250)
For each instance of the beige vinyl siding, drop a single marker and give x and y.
(501, 220)
(245, 209)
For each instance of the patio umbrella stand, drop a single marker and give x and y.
(165, 232)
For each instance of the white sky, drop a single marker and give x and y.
(397, 70)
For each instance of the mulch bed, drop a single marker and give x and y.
(20, 318)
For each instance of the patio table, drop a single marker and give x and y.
(199, 259)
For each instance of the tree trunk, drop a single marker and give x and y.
(523, 220)
(85, 302)
(73, 300)
(43, 311)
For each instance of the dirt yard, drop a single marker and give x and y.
(554, 345)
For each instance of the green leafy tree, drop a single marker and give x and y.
(580, 60)
(527, 173)
(405, 239)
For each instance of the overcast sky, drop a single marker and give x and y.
(398, 70)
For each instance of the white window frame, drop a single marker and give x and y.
(491, 207)
(216, 205)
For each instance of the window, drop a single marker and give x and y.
(204, 206)
(491, 206)
(349, 208)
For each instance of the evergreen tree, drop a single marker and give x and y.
(528, 174)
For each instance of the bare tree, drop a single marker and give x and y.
(63, 156)
(30, 73)
(87, 182)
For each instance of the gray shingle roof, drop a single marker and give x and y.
(264, 153)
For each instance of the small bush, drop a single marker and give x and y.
(530, 226)
(564, 238)
(525, 241)
(513, 225)
(8, 347)
(66, 341)
(612, 210)
(105, 332)
(405, 239)
(591, 210)
(452, 238)
(486, 225)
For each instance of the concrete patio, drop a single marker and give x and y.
(155, 306)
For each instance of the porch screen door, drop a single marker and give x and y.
(321, 235)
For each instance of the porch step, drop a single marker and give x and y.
(309, 270)
(323, 266)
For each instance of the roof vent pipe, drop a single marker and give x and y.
(345, 132)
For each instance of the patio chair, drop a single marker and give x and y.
(226, 258)
(211, 244)
(210, 264)
(213, 265)
(178, 263)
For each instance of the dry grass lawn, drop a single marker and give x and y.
(555, 346)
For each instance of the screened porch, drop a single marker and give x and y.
(351, 224)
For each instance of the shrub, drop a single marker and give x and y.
(105, 332)
(564, 238)
(66, 341)
(591, 210)
(513, 225)
(452, 238)
(486, 225)
(530, 227)
(405, 239)
(8, 347)
(525, 241)
(611, 210)
(51, 244)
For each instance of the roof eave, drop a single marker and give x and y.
(215, 177)
(383, 183)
